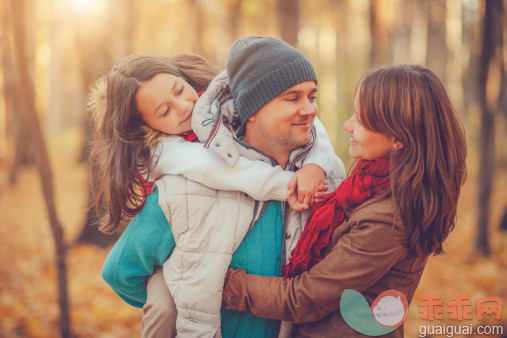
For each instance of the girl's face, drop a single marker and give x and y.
(364, 143)
(166, 102)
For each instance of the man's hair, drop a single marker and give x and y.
(260, 68)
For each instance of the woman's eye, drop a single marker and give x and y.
(166, 112)
(180, 90)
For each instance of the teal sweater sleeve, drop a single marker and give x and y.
(145, 244)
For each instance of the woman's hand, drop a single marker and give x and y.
(233, 296)
(306, 186)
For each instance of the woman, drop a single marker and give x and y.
(376, 231)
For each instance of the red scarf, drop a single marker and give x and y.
(368, 179)
(189, 136)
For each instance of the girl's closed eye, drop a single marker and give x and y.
(180, 89)
(166, 112)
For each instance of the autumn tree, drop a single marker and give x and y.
(491, 85)
(402, 32)
(288, 20)
(436, 57)
(22, 152)
(198, 24)
(29, 118)
(233, 15)
(374, 32)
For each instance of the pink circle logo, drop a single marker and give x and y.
(390, 308)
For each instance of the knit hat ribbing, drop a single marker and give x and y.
(261, 68)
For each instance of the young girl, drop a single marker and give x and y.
(144, 131)
(377, 230)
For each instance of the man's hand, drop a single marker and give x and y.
(309, 182)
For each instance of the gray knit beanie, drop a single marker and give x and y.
(261, 68)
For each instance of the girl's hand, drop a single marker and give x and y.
(319, 195)
(321, 192)
(308, 181)
(294, 204)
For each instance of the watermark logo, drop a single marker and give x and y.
(387, 313)
(389, 310)
(459, 307)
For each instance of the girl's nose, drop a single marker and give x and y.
(179, 105)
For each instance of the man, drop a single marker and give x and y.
(273, 89)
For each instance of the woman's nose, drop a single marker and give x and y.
(347, 126)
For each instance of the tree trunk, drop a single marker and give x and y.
(288, 19)
(374, 32)
(233, 14)
(503, 222)
(8, 76)
(200, 18)
(491, 35)
(470, 74)
(436, 57)
(419, 32)
(22, 153)
(502, 93)
(33, 132)
(456, 68)
(401, 34)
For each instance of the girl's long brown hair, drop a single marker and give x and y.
(410, 103)
(119, 151)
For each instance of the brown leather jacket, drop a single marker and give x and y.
(367, 253)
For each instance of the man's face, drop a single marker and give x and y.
(284, 123)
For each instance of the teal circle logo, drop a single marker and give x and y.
(388, 312)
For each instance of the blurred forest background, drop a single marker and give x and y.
(53, 50)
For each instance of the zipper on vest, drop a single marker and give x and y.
(256, 219)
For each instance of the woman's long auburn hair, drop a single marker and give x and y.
(410, 103)
(119, 152)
